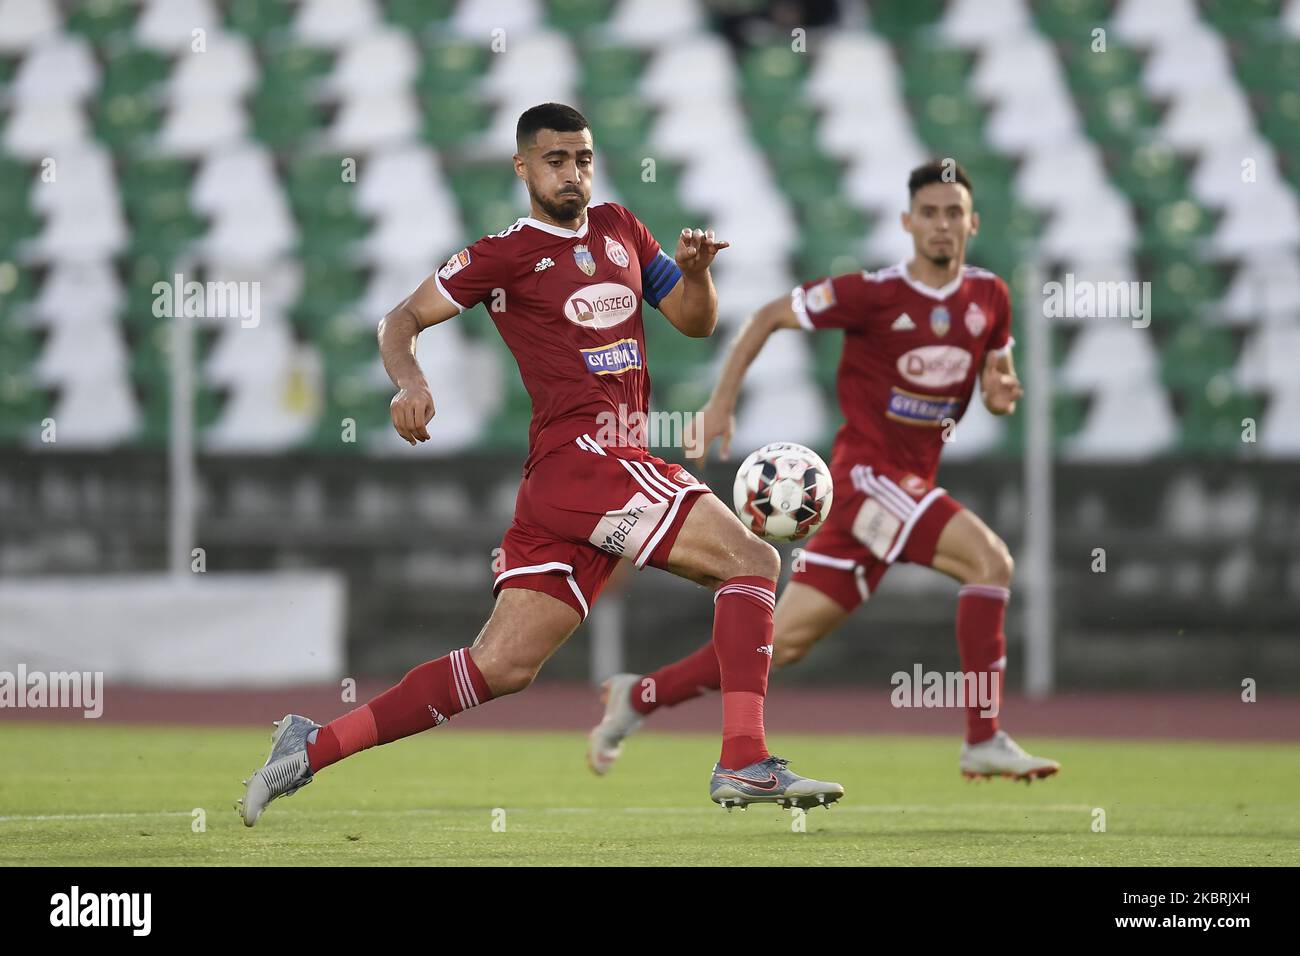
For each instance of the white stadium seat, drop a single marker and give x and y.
(26, 23)
(168, 26)
(58, 71)
(333, 24)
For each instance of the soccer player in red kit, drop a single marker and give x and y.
(564, 287)
(917, 337)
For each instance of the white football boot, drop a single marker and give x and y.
(1000, 756)
(285, 772)
(604, 743)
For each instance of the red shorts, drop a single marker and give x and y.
(582, 508)
(880, 515)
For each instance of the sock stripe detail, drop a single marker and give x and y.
(747, 590)
(985, 590)
(464, 686)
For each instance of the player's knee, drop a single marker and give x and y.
(995, 565)
(758, 559)
(507, 677)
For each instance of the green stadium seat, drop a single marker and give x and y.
(784, 129)
(19, 347)
(610, 72)
(127, 123)
(1071, 21)
(577, 16)
(97, 19)
(1091, 73)
(1212, 419)
(1176, 228)
(1119, 116)
(901, 21)
(951, 125)
(1240, 16)
(282, 120)
(1195, 354)
(257, 19)
(1152, 175)
(620, 123)
(452, 121)
(773, 73)
(1281, 120)
(806, 176)
(23, 406)
(1181, 289)
(418, 17)
(1269, 63)
(133, 71)
(452, 68)
(929, 70)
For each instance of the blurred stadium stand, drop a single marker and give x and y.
(126, 157)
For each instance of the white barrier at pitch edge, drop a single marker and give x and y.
(211, 630)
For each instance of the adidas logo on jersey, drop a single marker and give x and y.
(544, 264)
(903, 323)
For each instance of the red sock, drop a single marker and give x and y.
(424, 698)
(982, 644)
(680, 681)
(742, 640)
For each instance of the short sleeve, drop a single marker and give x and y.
(659, 271)
(470, 275)
(841, 302)
(1000, 341)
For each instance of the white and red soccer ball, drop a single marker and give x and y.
(783, 491)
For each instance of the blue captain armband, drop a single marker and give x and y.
(658, 278)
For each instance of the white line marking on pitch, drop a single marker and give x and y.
(431, 811)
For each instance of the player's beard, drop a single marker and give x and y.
(561, 208)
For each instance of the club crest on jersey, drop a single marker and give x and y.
(615, 252)
(975, 320)
(584, 260)
(457, 262)
(940, 321)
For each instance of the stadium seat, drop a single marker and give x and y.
(24, 24)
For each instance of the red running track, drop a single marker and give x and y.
(839, 710)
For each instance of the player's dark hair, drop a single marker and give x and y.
(938, 171)
(556, 116)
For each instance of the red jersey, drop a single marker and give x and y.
(912, 356)
(568, 305)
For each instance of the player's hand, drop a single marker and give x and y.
(696, 249)
(711, 422)
(412, 410)
(1001, 389)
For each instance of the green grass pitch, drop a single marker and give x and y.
(90, 795)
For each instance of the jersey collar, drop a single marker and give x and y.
(558, 230)
(921, 287)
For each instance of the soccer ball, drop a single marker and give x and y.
(783, 491)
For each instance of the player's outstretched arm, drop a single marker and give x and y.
(999, 383)
(692, 305)
(717, 418)
(412, 406)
